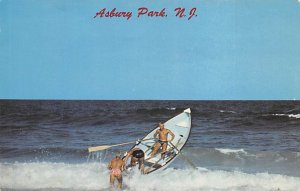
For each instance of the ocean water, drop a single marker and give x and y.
(236, 145)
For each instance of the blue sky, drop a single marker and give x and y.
(233, 50)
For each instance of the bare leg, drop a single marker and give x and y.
(156, 147)
(141, 165)
(112, 180)
(164, 148)
(120, 179)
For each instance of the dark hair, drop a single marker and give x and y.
(118, 153)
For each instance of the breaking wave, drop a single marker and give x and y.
(227, 151)
(94, 176)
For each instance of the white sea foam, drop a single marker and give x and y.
(223, 111)
(171, 108)
(297, 116)
(188, 180)
(53, 175)
(228, 151)
(94, 176)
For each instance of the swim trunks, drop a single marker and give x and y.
(162, 142)
(116, 172)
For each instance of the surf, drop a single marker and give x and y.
(94, 176)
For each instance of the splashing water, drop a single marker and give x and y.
(95, 176)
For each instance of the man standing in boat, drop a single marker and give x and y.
(116, 166)
(162, 141)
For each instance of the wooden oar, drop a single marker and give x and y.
(184, 157)
(103, 147)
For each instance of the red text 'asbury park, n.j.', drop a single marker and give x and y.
(178, 12)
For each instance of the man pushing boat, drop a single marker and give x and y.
(162, 141)
(116, 166)
(137, 157)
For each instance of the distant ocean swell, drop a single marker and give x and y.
(52, 115)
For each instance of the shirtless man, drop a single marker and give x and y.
(116, 166)
(162, 133)
(137, 157)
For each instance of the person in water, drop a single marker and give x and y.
(116, 166)
(137, 157)
(162, 141)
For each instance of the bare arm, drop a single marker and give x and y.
(129, 154)
(127, 157)
(172, 134)
(109, 166)
(155, 134)
(123, 166)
